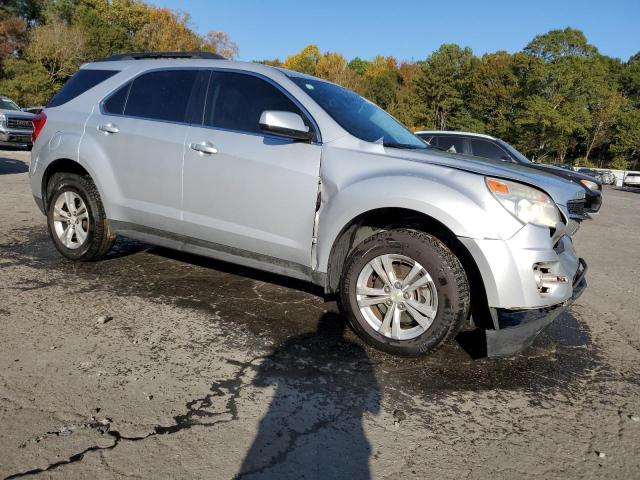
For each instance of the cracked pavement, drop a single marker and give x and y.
(209, 370)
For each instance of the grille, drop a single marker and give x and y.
(19, 123)
(575, 207)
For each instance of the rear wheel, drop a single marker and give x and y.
(77, 223)
(404, 292)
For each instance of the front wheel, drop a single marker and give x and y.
(404, 292)
(77, 223)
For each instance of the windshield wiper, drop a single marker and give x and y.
(403, 145)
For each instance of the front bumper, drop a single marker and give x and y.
(15, 138)
(593, 201)
(517, 329)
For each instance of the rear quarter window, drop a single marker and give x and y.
(80, 82)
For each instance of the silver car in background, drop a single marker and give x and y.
(291, 174)
(15, 125)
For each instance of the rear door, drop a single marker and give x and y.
(451, 143)
(251, 192)
(141, 129)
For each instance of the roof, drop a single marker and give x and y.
(161, 55)
(452, 132)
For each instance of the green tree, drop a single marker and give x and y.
(443, 85)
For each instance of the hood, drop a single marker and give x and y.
(561, 172)
(561, 191)
(17, 114)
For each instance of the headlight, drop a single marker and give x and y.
(589, 184)
(527, 204)
(3, 120)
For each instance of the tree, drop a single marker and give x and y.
(380, 81)
(304, 61)
(494, 93)
(626, 139)
(12, 35)
(58, 49)
(557, 44)
(220, 43)
(166, 30)
(442, 85)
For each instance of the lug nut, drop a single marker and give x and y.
(389, 302)
(406, 295)
(398, 285)
(387, 289)
(401, 306)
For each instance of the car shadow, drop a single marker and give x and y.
(313, 427)
(10, 165)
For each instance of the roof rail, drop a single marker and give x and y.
(160, 55)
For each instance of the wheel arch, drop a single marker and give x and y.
(60, 165)
(380, 219)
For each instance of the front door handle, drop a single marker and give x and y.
(108, 128)
(204, 147)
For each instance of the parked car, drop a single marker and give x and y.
(603, 176)
(486, 146)
(631, 179)
(288, 173)
(15, 125)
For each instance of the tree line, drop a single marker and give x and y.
(557, 100)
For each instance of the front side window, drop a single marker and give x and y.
(6, 104)
(235, 101)
(486, 149)
(80, 82)
(520, 158)
(358, 116)
(161, 95)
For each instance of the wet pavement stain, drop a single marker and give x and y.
(280, 309)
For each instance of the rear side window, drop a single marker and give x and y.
(483, 148)
(80, 82)
(450, 144)
(236, 102)
(115, 103)
(161, 95)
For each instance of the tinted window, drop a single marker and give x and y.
(236, 101)
(451, 144)
(483, 148)
(115, 103)
(162, 95)
(358, 116)
(79, 83)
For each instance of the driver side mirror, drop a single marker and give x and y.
(285, 124)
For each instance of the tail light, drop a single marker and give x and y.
(38, 123)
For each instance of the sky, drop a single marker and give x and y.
(410, 29)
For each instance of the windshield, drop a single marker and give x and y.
(358, 116)
(519, 157)
(6, 104)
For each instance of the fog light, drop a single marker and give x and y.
(546, 276)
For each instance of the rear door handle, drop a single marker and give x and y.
(204, 147)
(108, 128)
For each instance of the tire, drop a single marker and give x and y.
(444, 293)
(92, 239)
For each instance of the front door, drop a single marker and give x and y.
(248, 192)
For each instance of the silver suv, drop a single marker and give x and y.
(288, 173)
